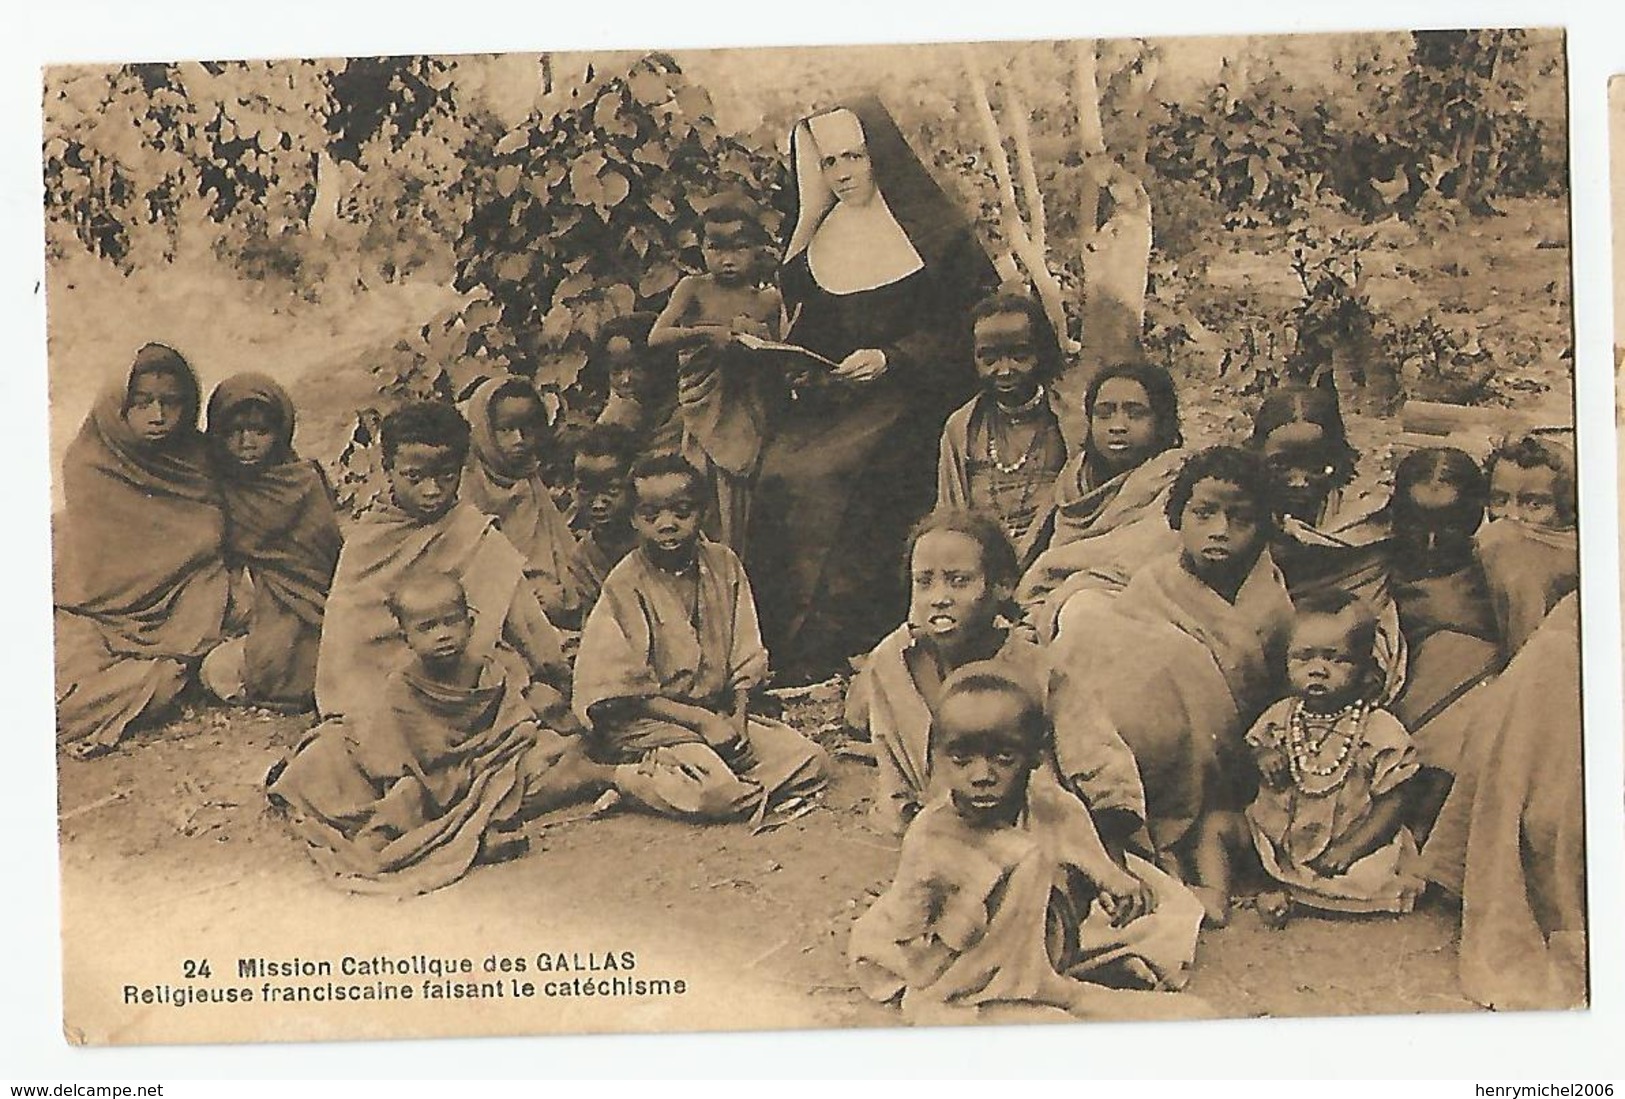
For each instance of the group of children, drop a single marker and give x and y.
(1290, 676)
(1128, 673)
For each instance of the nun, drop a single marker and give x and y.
(879, 277)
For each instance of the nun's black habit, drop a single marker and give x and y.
(849, 466)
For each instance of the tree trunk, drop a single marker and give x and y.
(1117, 236)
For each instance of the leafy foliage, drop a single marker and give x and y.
(591, 214)
(1335, 335)
(1450, 122)
(1246, 155)
(138, 155)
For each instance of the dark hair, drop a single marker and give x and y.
(1014, 297)
(1230, 464)
(1530, 451)
(667, 463)
(415, 578)
(1446, 465)
(516, 387)
(431, 423)
(1303, 404)
(733, 209)
(1000, 565)
(632, 327)
(985, 677)
(609, 441)
(1159, 391)
(1330, 603)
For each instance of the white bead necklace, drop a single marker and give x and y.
(1305, 750)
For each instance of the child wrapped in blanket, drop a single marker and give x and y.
(282, 533)
(424, 523)
(1186, 658)
(1530, 546)
(438, 772)
(1327, 821)
(1003, 886)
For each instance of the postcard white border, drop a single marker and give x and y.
(1484, 1047)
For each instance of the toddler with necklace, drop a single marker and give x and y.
(1328, 819)
(1001, 451)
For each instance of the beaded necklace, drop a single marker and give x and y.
(1014, 415)
(1010, 519)
(1305, 749)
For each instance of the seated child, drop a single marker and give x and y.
(1187, 657)
(1110, 499)
(1330, 535)
(962, 570)
(667, 661)
(141, 583)
(1003, 893)
(424, 524)
(1001, 451)
(1530, 547)
(282, 530)
(603, 506)
(438, 771)
(642, 383)
(717, 391)
(1327, 821)
(504, 480)
(1451, 639)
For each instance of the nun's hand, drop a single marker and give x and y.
(863, 365)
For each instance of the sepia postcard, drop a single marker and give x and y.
(815, 537)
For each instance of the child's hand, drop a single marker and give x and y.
(1273, 768)
(725, 738)
(1334, 862)
(749, 326)
(1125, 898)
(863, 365)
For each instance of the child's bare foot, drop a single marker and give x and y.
(1215, 906)
(1275, 909)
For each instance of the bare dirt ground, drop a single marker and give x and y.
(167, 850)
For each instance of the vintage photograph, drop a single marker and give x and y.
(815, 537)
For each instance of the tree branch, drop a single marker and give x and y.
(1016, 232)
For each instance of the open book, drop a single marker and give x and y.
(813, 360)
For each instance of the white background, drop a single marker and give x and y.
(1482, 1047)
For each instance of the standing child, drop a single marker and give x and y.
(504, 480)
(1001, 450)
(668, 658)
(437, 772)
(1327, 821)
(424, 524)
(282, 531)
(1003, 892)
(717, 395)
(1187, 657)
(603, 506)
